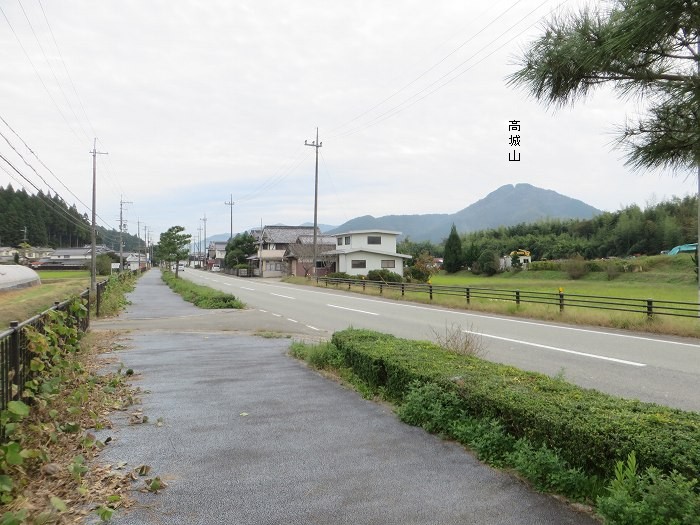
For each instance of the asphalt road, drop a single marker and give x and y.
(250, 436)
(664, 370)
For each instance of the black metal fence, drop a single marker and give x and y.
(648, 307)
(15, 356)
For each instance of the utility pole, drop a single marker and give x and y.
(206, 249)
(93, 233)
(231, 203)
(24, 234)
(122, 202)
(199, 243)
(316, 144)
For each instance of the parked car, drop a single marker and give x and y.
(181, 267)
(216, 268)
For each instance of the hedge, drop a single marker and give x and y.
(590, 429)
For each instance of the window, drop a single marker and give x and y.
(347, 240)
(358, 263)
(374, 239)
(340, 241)
(389, 264)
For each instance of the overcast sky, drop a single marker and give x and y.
(198, 102)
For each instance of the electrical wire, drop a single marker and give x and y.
(48, 63)
(398, 108)
(424, 73)
(40, 161)
(38, 75)
(46, 200)
(65, 68)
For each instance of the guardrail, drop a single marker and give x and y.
(648, 307)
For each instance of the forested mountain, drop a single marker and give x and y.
(626, 232)
(47, 221)
(508, 205)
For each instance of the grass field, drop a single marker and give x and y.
(19, 305)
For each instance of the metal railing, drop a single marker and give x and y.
(15, 355)
(648, 307)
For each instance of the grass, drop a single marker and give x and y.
(201, 296)
(18, 305)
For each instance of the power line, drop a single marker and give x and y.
(398, 108)
(60, 55)
(48, 63)
(38, 75)
(395, 93)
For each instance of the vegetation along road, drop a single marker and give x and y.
(658, 369)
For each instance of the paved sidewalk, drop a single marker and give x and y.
(251, 436)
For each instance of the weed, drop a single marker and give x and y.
(459, 341)
(649, 498)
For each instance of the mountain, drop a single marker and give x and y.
(507, 206)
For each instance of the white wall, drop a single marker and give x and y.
(373, 262)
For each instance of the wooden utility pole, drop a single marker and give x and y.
(93, 233)
(316, 144)
(231, 203)
(122, 202)
(206, 248)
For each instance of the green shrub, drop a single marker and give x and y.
(321, 356)
(649, 498)
(201, 296)
(589, 429)
(339, 275)
(544, 266)
(576, 267)
(384, 275)
(488, 262)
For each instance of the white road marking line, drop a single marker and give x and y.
(546, 347)
(277, 315)
(313, 327)
(467, 313)
(280, 295)
(292, 320)
(351, 309)
(228, 284)
(264, 311)
(246, 288)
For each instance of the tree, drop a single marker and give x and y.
(453, 259)
(488, 262)
(648, 48)
(239, 249)
(174, 246)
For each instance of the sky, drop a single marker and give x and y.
(199, 104)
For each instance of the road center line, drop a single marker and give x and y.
(351, 309)
(280, 295)
(249, 289)
(546, 347)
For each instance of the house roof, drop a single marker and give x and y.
(320, 239)
(218, 245)
(285, 234)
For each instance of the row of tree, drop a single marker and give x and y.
(46, 220)
(630, 231)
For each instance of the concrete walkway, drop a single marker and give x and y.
(252, 436)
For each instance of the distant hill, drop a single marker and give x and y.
(507, 206)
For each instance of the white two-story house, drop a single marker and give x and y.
(360, 251)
